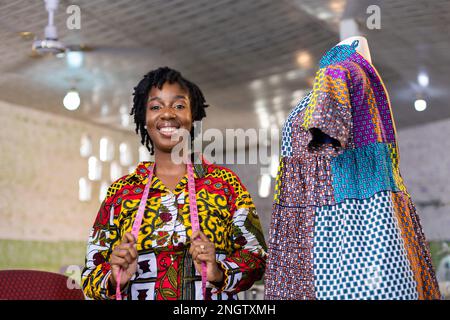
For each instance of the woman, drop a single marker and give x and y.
(165, 260)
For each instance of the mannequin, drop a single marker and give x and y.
(362, 48)
(318, 138)
(343, 225)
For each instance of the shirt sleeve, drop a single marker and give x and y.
(104, 235)
(247, 261)
(329, 109)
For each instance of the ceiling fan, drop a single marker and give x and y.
(51, 45)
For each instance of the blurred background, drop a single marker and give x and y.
(66, 133)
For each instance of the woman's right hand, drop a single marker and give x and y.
(124, 256)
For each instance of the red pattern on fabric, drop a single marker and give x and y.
(290, 273)
(106, 267)
(168, 278)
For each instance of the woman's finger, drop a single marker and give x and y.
(195, 235)
(129, 253)
(197, 243)
(203, 237)
(125, 254)
(128, 238)
(133, 252)
(201, 248)
(198, 234)
(115, 260)
(203, 257)
(194, 255)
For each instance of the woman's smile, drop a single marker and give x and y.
(167, 129)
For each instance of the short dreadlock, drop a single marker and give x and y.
(157, 78)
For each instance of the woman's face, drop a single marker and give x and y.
(168, 110)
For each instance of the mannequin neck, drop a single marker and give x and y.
(362, 48)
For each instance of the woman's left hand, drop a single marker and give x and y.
(203, 250)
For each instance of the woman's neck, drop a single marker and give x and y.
(165, 166)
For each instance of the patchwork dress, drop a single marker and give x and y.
(343, 224)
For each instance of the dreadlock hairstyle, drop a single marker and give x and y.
(157, 78)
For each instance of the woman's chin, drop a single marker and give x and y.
(168, 148)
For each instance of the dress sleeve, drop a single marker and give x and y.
(329, 109)
(104, 235)
(247, 261)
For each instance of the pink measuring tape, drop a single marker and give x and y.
(193, 215)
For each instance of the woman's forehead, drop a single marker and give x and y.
(169, 91)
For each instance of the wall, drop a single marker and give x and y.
(43, 224)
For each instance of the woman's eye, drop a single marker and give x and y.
(179, 106)
(155, 107)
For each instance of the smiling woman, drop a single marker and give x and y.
(197, 234)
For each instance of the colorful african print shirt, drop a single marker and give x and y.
(343, 224)
(165, 270)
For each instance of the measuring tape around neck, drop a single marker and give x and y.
(193, 216)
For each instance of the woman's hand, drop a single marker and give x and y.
(203, 250)
(124, 256)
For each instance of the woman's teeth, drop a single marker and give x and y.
(168, 130)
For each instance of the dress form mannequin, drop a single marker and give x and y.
(317, 137)
(362, 48)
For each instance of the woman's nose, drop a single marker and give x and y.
(168, 114)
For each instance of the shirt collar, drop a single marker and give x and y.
(201, 167)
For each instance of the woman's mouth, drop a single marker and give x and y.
(168, 131)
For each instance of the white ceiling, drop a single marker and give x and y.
(241, 53)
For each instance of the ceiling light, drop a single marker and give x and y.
(72, 100)
(256, 84)
(74, 59)
(420, 105)
(337, 6)
(275, 79)
(304, 59)
(291, 75)
(423, 79)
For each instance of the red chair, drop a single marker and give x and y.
(36, 285)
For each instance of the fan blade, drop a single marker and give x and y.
(112, 50)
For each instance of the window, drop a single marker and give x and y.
(144, 154)
(85, 146)
(106, 149)
(94, 169)
(84, 189)
(125, 154)
(103, 191)
(115, 171)
(264, 186)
